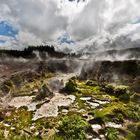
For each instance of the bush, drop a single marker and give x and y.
(124, 97)
(73, 128)
(121, 92)
(112, 134)
(130, 136)
(91, 83)
(7, 86)
(109, 89)
(71, 86)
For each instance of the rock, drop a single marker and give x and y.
(81, 110)
(101, 102)
(112, 124)
(64, 111)
(51, 109)
(6, 133)
(96, 139)
(92, 105)
(85, 98)
(96, 127)
(89, 136)
(43, 93)
(12, 128)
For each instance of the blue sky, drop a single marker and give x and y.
(137, 21)
(6, 29)
(65, 39)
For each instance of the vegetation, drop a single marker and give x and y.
(112, 134)
(71, 86)
(73, 128)
(117, 104)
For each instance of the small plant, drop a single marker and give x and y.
(73, 127)
(123, 93)
(7, 86)
(91, 83)
(71, 86)
(109, 89)
(112, 134)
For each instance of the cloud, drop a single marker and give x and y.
(36, 20)
(89, 21)
(93, 24)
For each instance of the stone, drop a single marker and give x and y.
(85, 98)
(96, 127)
(112, 124)
(92, 104)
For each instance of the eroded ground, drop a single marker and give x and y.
(34, 107)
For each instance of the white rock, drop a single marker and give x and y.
(20, 101)
(114, 125)
(96, 127)
(95, 139)
(6, 133)
(51, 109)
(85, 98)
(32, 127)
(12, 128)
(101, 102)
(92, 105)
(6, 125)
(81, 110)
(65, 111)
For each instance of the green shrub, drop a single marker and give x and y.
(121, 92)
(71, 86)
(124, 97)
(130, 136)
(112, 134)
(109, 89)
(120, 117)
(73, 128)
(7, 86)
(91, 83)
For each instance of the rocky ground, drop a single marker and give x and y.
(50, 101)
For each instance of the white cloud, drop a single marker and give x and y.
(94, 20)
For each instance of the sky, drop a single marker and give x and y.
(98, 24)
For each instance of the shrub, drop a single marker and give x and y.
(71, 86)
(73, 127)
(7, 86)
(120, 90)
(130, 136)
(91, 83)
(109, 89)
(124, 97)
(112, 134)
